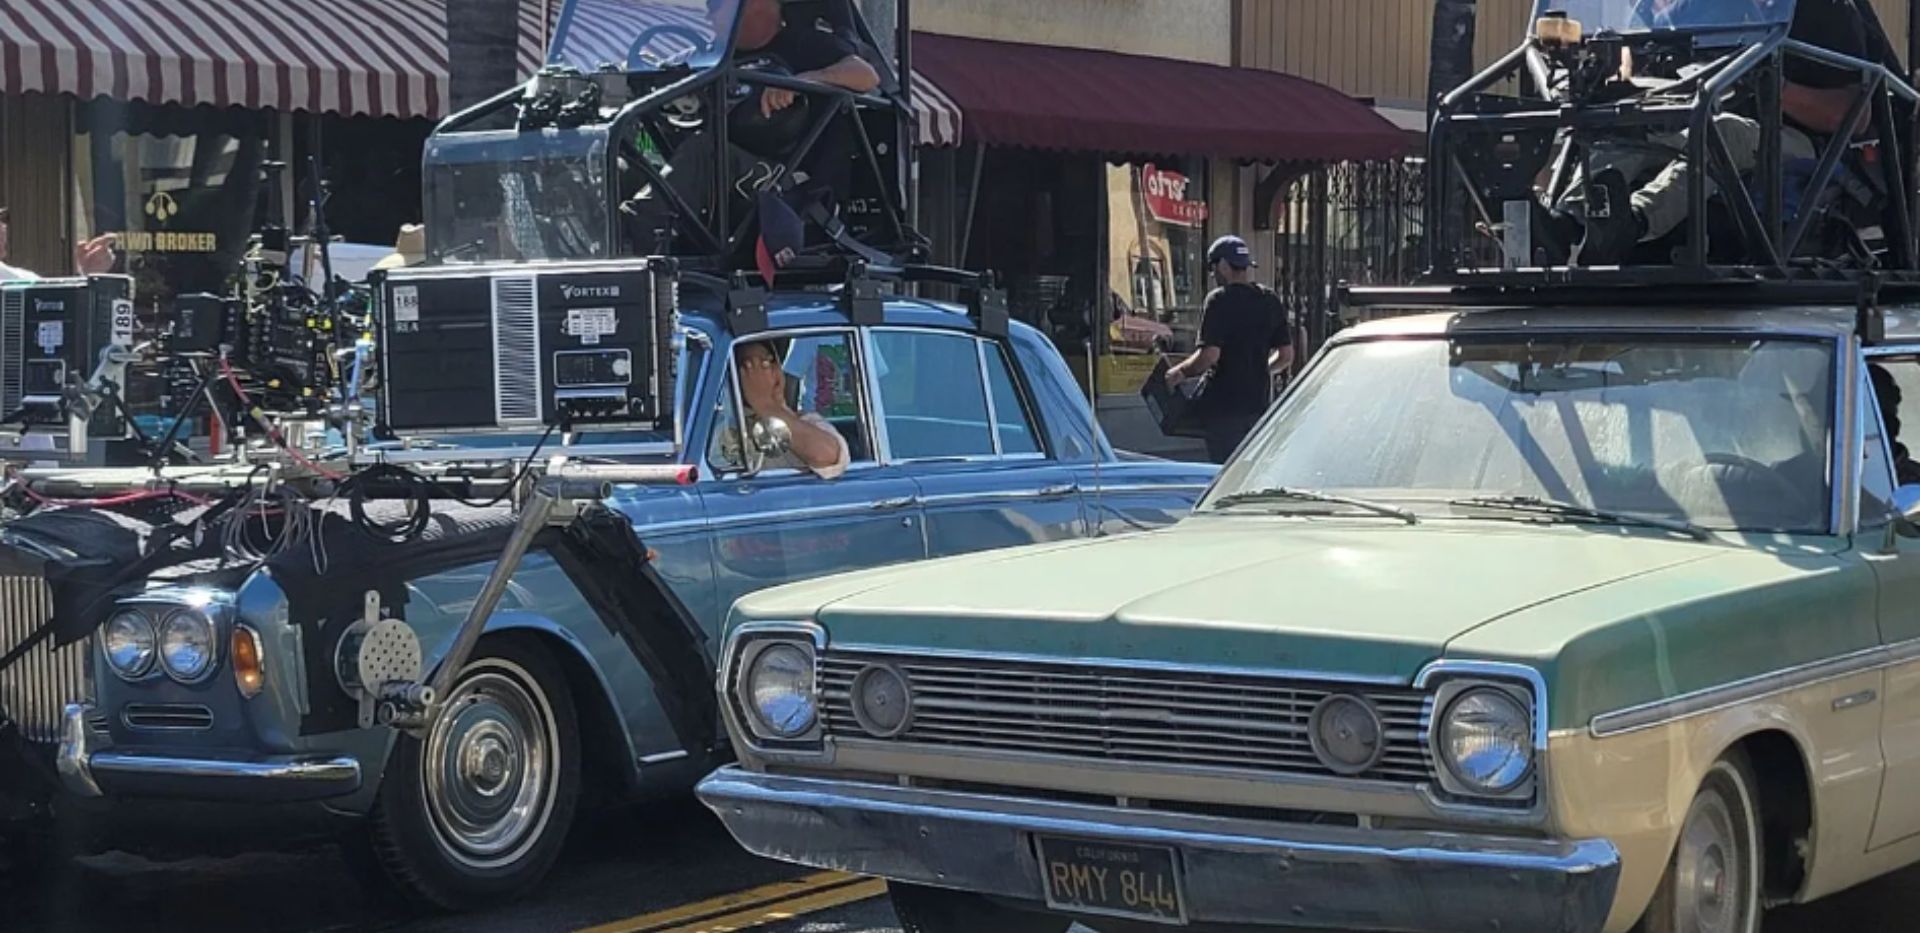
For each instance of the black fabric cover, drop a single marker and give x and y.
(326, 579)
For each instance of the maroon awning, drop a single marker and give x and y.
(1045, 97)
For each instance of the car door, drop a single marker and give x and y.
(1896, 562)
(954, 415)
(773, 526)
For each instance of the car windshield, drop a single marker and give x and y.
(1723, 434)
(641, 35)
(1628, 16)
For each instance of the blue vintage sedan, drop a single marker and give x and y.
(957, 441)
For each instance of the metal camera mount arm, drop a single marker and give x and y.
(402, 697)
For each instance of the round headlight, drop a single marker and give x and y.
(1486, 741)
(780, 690)
(882, 701)
(129, 644)
(1346, 734)
(187, 645)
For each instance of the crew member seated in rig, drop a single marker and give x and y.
(1814, 101)
(767, 125)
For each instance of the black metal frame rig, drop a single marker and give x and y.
(729, 237)
(1486, 150)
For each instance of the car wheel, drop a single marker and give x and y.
(937, 910)
(1713, 884)
(475, 813)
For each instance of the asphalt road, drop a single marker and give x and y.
(630, 870)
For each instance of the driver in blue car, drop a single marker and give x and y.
(766, 126)
(811, 443)
(1601, 221)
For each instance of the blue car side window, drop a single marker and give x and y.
(932, 397)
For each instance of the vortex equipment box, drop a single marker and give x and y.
(52, 332)
(525, 347)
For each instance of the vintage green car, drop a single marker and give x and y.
(1601, 616)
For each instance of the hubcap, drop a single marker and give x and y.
(489, 766)
(1712, 889)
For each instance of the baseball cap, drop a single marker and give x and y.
(1232, 249)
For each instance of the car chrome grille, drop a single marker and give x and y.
(1191, 718)
(36, 688)
(166, 716)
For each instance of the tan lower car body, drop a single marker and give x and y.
(1633, 786)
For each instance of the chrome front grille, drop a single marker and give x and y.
(36, 688)
(1190, 718)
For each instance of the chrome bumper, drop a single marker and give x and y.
(1236, 871)
(90, 767)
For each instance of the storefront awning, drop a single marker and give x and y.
(1047, 97)
(378, 57)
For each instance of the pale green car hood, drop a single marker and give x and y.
(1365, 597)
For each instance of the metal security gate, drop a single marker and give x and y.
(1356, 223)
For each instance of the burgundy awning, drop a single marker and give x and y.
(1047, 97)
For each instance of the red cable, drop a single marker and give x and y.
(110, 501)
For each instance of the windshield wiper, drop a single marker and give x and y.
(1284, 493)
(1570, 510)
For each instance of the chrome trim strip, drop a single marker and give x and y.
(1124, 664)
(986, 389)
(75, 754)
(1045, 492)
(1154, 487)
(660, 758)
(335, 770)
(1716, 698)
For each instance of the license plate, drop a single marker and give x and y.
(1116, 880)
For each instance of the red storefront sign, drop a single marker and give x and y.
(1167, 198)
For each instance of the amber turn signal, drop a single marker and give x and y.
(249, 671)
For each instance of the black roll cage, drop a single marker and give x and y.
(727, 235)
(1770, 244)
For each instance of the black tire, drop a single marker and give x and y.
(452, 841)
(937, 910)
(1713, 882)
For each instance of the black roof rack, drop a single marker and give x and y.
(859, 289)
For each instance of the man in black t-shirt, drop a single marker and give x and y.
(764, 136)
(1244, 342)
(1814, 101)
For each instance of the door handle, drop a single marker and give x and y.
(1055, 492)
(894, 505)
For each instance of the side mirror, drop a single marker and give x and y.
(772, 437)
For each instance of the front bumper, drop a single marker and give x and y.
(90, 767)
(1236, 871)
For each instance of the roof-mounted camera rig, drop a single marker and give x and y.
(645, 134)
(1641, 85)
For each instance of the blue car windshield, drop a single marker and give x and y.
(1630, 16)
(642, 35)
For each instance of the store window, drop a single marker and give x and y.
(1159, 235)
(181, 188)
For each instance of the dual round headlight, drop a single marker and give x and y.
(777, 686)
(183, 644)
(1486, 741)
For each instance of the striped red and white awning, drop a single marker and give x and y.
(936, 113)
(377, 57)
(373, 57)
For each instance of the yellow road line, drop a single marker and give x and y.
(741, 910)
(786, 910)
